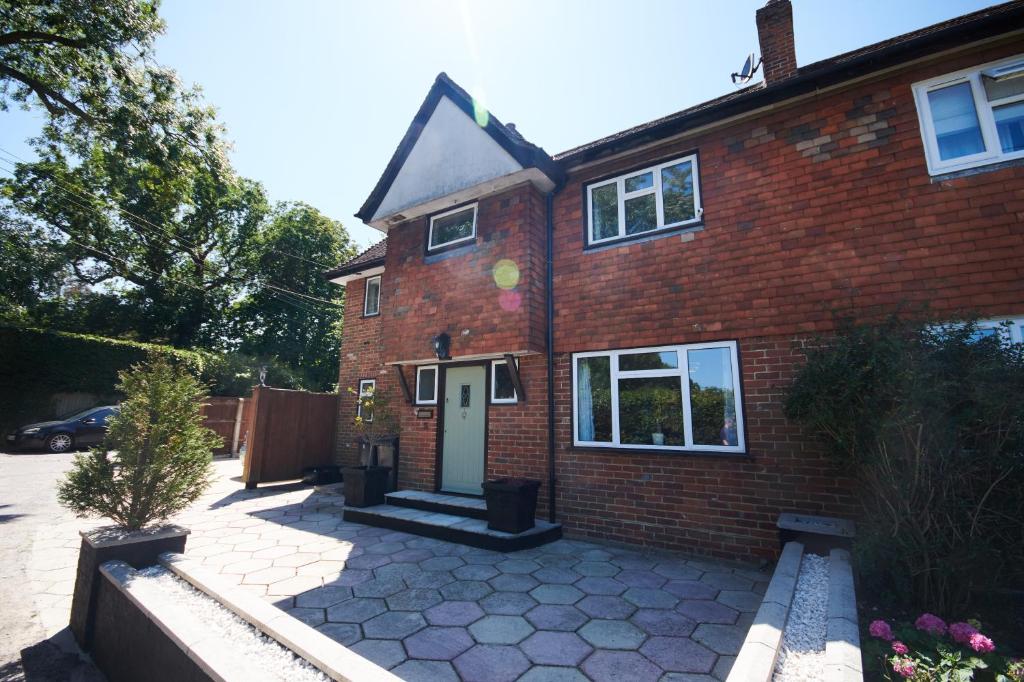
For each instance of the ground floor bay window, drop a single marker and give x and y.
(663, 398)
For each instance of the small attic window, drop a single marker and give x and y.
(452, 227)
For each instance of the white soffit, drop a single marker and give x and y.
(452, 153)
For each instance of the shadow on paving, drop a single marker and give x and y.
(56, 659)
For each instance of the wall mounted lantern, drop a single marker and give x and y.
(442, 346)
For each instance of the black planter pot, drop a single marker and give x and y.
(365, 486)
(511, 504)
(321, 475)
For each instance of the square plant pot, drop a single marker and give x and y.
(511, 504)
(365, 486)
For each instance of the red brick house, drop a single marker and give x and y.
(654, 289)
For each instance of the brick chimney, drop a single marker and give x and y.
(775, 34)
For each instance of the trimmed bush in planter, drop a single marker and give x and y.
(511, 504)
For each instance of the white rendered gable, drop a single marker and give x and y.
(452, 153)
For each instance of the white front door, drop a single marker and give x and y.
(465, 429)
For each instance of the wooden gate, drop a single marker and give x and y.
(290, 430)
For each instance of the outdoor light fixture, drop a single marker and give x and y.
(442, 346)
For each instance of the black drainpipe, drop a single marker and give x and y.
(550, 296)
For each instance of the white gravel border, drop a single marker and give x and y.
(802, 656)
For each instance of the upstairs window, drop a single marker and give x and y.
(660, 197)
(366, 389)
(453, 227)
(371, 298)
(973, 118)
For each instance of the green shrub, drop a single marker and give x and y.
(929, 423)
(156, 458)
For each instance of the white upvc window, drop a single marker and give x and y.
(634, 204)
(371, 297)
(973, 117)
(366, 389)
(684, 398)
(426, 385)
(1010, 329)
(452, 227)
(503, 391)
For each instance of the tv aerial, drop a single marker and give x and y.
(747, 72)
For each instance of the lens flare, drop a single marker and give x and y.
(510, 300)
(506, 274)
(480, 113)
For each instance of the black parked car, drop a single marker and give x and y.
(79, 430)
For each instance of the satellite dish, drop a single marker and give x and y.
(747, 72)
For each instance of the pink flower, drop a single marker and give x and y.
(903, 667)
(933, 625)
(881, 630)
(900, 647)
(981, 643)
(961, 632)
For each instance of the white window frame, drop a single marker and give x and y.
(372, 383)
(1013, 334)
(986, 118)
(431, 246)
(659, 200)
(366, 297)
(501, 401)
(420, 369)
(683, 373)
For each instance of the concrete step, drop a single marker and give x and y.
(470, 507)
(453, 528)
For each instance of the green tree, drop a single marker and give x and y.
(32, 266)
(291, 252)
(69, 57)
(156, 459)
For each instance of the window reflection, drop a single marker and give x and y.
(712, 397)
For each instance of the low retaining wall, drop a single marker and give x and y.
(141, 635)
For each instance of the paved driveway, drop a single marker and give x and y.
(432, 610)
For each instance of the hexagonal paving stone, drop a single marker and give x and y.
(612, 634)
(679, 654)
(678, 570)
(633, 561)
(601, 569)
(466, 590)
(383, 652)
(397, 571)
(600, 606)
(722, 639)
(356, 610)
(434, 579)
(321, 568)
(690, 589)
(663, 623)
(483, 557)
(385, 548)
(475, 572)
(508, 603)
(513, 582)
(726, 581)
(323, 597)
(438, 643)
(247, 566)
(554, 617)
(705, 611)
(368, 561)
(556, 576)
(351, 576)
(413, 600)
(268, 575)
(650, 598)
(723, 666)
(295, 585)
(378, 587)
(556, 594)
(343, 633)
(442, 563)
(600, 585)
(544, 673)
(297, 559)
(500, 630)
(615, 666)
(740, 600)
(426, 671)
(393, 625)
(311, 617)
(411, 555)
(556, 648)
(640, 578)
(491, 663)
(557, 560)
(517, 566)
(454, 613)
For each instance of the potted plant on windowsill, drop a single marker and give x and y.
(511, 504)
(375, 423)
(156, 460)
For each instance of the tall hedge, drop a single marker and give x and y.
(35, 364)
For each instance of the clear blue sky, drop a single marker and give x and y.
(316, 95)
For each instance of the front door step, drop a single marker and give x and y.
(453, 528)
(471, 507)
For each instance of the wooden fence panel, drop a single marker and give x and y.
(220, 415)
(290, 430)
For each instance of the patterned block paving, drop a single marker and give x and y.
(433, 610)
